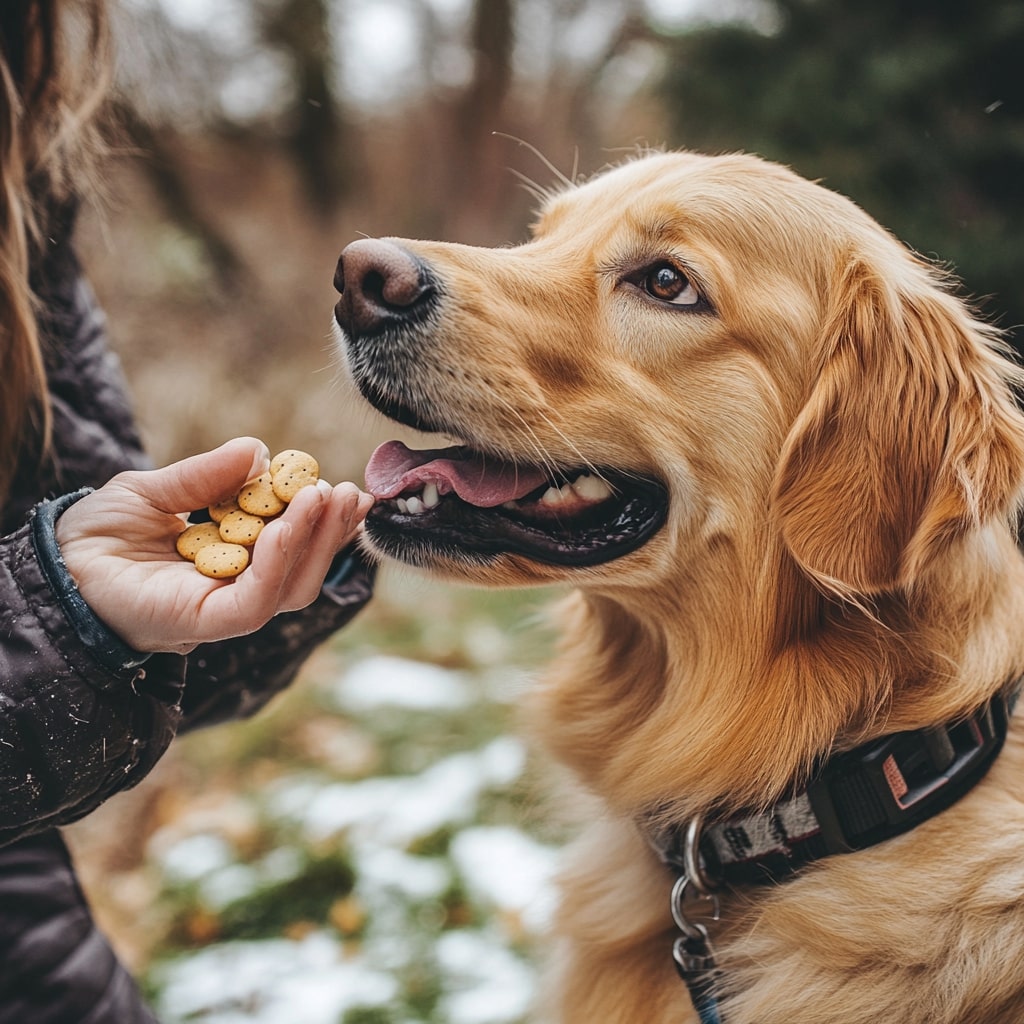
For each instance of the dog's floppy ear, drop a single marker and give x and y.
(909, 439)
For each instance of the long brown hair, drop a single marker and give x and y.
(53, 76)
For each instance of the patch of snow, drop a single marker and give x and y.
(385, 681)
(398, 810)
(194, 857)
(490, 985)
(418, 878)
(281, 864)
(503, 761)
(237, 881)
(230, 883)
(506, 869)
(267, 982)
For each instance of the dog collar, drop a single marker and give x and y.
(855, 799)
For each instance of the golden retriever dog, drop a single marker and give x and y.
(779, 462)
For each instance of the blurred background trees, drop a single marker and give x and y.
(914, 108)
(270, 132)
(266, 134)
(261, 136)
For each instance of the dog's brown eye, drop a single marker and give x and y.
(669, 284)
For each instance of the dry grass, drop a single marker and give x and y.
(207, 359)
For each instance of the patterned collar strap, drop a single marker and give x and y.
(856, 799)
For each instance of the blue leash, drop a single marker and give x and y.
(695, 964)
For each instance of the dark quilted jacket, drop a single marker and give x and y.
(81, 715)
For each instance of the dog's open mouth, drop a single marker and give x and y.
(458, 503)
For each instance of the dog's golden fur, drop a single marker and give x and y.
(844, 459)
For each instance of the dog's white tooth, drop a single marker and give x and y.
(510, 504)
(403, 505)
(592, 488)
(430, 495)
(414, 505)
(552, 496)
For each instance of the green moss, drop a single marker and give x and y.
(369, 1015)
(434, 845)
(396, 623)
(459, 910)
(305, 898)
(422, 988)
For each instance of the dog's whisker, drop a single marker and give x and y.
(551, 464)
(530, 437)
(546, 460)
(539, 192)
(559, 175)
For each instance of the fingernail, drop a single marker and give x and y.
(316, 511)
(260, 461)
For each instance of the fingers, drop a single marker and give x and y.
(289, 562)
(204, 479)
(344, 508)
(118, 543)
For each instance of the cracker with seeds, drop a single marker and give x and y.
(221, 547)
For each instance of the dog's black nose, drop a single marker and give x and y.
(379, 283)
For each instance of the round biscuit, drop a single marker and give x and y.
(220, 560)
(241, 528)
(193, 538)
(292, 470)
(222, 508)
(281, 459)
(257, 497)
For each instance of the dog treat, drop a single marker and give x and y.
(241, 528)
(220, 549)
(222, 508)
(292, 470)
(195, 537)
(257, 497)
(220, 560)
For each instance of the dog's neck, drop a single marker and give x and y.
(719, 700)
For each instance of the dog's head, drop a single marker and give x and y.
(690, 353)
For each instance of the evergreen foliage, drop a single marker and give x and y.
(913, 108)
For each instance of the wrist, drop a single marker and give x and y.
(102, 642)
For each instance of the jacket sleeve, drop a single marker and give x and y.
(55, 965)
(235, 678)
(80, 717)
(83, 716)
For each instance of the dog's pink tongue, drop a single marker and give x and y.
(393, 468)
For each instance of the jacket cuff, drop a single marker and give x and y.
(350, 579)
(103, 644)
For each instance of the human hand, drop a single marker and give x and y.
(118, 543)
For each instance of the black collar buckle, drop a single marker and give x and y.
(880, 790)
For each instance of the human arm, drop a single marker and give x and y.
(118, 545)
(82, 714)
(83, 711)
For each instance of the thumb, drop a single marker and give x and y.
(204, 479)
